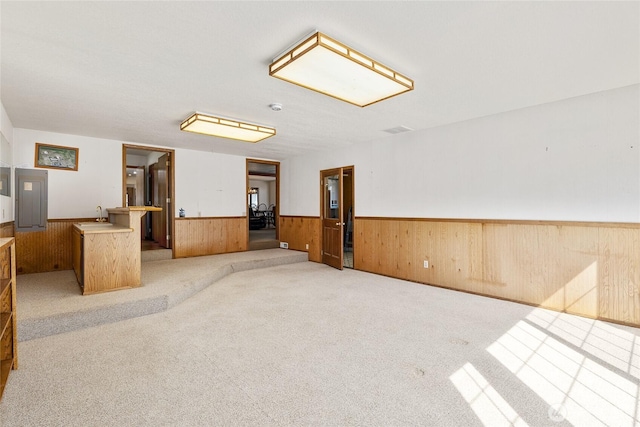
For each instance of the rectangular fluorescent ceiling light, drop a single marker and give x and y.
(327, 66)
(226, 128)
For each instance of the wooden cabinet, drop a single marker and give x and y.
(8, 324)
(106, 255)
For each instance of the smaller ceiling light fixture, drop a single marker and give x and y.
(226, 128)
(325, 65)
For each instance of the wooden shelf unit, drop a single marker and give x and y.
(8, 324)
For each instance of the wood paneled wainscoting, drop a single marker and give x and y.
(48, 250)
(589, 269)
(299, 231)
(209, 236)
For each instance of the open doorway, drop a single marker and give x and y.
(263, 178)
(148, 180)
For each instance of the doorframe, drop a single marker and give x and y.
(171, 179)
(246, 187)
(353, 211)
(353, 198)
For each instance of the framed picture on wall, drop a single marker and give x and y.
(56, 157)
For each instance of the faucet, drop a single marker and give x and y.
(100, 219)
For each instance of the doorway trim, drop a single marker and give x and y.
(246, 187)
(171, 179)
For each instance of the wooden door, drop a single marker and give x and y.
(159, 223)
(332, 226)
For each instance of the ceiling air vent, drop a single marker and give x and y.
(398, 129)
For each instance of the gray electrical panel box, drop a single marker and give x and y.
(31, 200)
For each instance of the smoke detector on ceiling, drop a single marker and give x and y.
(276, 107)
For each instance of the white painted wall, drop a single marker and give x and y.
(6, 128)
(574, 160)
(208, 184)
(72, 194)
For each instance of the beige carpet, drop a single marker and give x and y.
(306, 345)
(263, 239)
(52, 303)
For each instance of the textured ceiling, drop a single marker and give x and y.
(132, 71)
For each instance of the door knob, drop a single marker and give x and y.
(337, 223)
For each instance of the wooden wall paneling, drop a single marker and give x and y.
(574, 259)
(558, 266)
(619, 274)
(406, 258)
(449, 250)
(230, 235)
(183, 241)
(442, 257)
(475, 268)
(583, 268)
(237, 240)
(49, 250)
(225, 233)
(191, 238)
(298, 231)
(386, 243)
(188, 242)
(302, 228)
(292, 231)
(181, 236)
(513, 264)
(202, 236)
(450, 255)
(544, 265)
(313, 237)
(423, 244)
(286, 227)
(364, 251)
(199, 238)
(530, 269)
(493, 236)
(221, 232)
(466, 252)
(209, 236)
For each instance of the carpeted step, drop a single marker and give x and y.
(169, 283)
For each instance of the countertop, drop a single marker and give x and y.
(100, 227)
(133, 208)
